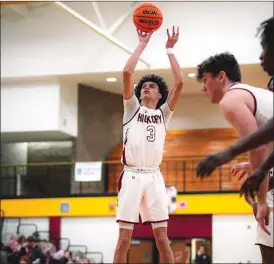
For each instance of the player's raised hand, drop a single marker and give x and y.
(143, 36)
(252, 184)
(172, 37)
(210, 163)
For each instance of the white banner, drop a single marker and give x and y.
(88, 171)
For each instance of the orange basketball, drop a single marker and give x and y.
(147, 17)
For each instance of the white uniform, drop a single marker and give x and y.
(263, 112)
(141, 185)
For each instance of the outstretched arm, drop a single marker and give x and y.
(260, 137)
(131, 64)
(174, 94)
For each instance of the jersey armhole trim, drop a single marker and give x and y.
(163, 117)
(255, 101)
(132, 116)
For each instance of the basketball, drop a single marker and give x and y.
(147, 17)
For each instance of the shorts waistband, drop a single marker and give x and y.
(142, 169)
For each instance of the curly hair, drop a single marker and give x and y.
(220, 62)
(163, 89)
(266, 30)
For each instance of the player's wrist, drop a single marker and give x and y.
(233, 150)
(142, 44)
(169, 51)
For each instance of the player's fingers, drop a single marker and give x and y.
(177, 33)
(263, 226)
(252, 194)
(141, 33)
(242, 191)
(202, 172)
(241, 175)
(233, 171)
(257, 187)
(267, 220)
(208, 168)
(168, 33)
(200, 169)
(245, 189)
(173, 31)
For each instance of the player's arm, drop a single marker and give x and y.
(261, 136)
(237, 113)
(174, 94)
(131, 64)
(269, 163)
(131, 103)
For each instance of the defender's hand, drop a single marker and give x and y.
(252, 184)
(143, 36)
(210, 163)
(173, 38)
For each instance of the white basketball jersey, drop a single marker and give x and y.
(144, 134)
(263, 112)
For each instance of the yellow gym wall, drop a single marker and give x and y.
(106, 206)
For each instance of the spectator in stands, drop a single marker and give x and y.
(24, 260)
(34, 249)
(202, 257)
(3, 255)
(21, 242)
(18, 250)
(12, 243)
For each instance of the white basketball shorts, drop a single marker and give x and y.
(142, 192)
(262, 237)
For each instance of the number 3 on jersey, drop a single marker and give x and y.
(152, 133)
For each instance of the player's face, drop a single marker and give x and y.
(212, 87)
(267, 58)
(150, 90)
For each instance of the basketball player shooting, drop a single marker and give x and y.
(246, 108)
(147, 112)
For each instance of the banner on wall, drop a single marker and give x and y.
(88, 171)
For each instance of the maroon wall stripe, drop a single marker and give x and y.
(55, 230)
(180, 226)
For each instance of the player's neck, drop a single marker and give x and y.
(149, 104)
(228, 85)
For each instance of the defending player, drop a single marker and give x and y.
(263, 135)
(141, 185)
(246, 108)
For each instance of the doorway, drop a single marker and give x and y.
(141, 251)
(184, 250)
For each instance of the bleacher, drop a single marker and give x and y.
(25, 243)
